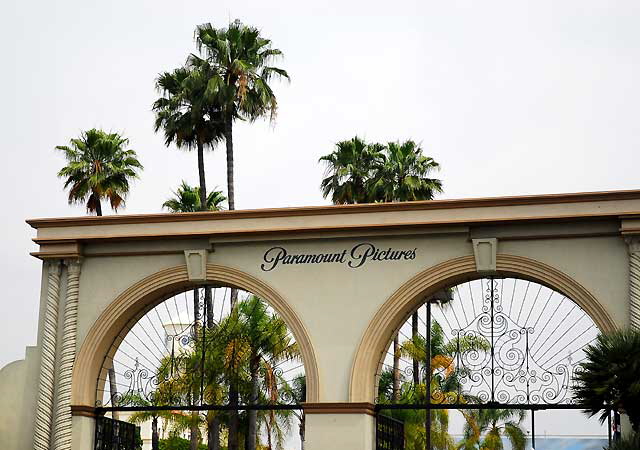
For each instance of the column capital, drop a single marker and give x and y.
(73, 265)
(54, 267)
(634, 243)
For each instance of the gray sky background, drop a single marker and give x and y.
(511, 97)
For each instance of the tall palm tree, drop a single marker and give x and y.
(401, 175)
(240, 67)
(187, 199)
(349, 170)
(99, 166)
(187, 115)
(490, 425)
(608, 379)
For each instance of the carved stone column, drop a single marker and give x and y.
(634, 281)
(63, 419)
(44, 411)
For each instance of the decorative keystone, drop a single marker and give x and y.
(485, 252)
(196, 264)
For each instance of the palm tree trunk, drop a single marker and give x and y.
(113, 390)
(155, 440)
(302, 431)
(213, 435)
(98, 207)
(396, 369)
(209, 301)
(196, 311)
(252, 433)
(228, 136)
(233, 443)
(193, 432)
(203, 183)
(414, 335)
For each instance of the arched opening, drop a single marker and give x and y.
(466, 356)
(208, 361)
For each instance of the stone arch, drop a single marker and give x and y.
(405, 299)
(137, 299)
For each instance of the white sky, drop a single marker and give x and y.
(511, 97)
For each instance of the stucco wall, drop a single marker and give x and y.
(335, 303)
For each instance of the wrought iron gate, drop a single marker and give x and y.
(389, 433)
(208, 349)
(491, 343)
(116, 435)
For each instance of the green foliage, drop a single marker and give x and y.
(244, 349)
(98, 167)
(349, 171)
(630, 442)
(609, 376)
(444, 388)
(186, 115)
(177, 443)
(238, 64)
(187, 199)
(358, 172)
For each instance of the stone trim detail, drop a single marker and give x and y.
(634, 281)
(141, 296)
(44, 408)
(196, 261)
(63, 418)
(339, 408)
(485, 252)
(83, 411)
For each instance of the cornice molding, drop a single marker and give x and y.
(547, 199)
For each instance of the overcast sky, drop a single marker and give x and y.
(510, 97)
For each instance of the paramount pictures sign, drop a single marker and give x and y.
(356, 257)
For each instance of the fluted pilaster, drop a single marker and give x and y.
(634, 281)
(44, 411)
(63, 419)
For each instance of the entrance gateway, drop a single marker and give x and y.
(516, 285)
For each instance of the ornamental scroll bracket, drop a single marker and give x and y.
(634, 243)
(485, 252)
(196, 261)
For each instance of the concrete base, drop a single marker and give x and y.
(83, 433)
(18, 396)
(340, 432)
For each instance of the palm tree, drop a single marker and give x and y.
(608, 379)
(490, 425)
(445, 386)
(349, 170)
(403, 175)
(139, 417)
(299, 394)
(629, 442)
(187, 199)
(187, 115)
(98, 167)
(267, 339)
(239, 70)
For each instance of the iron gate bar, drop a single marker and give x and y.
(525, 406)
(102, 410)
